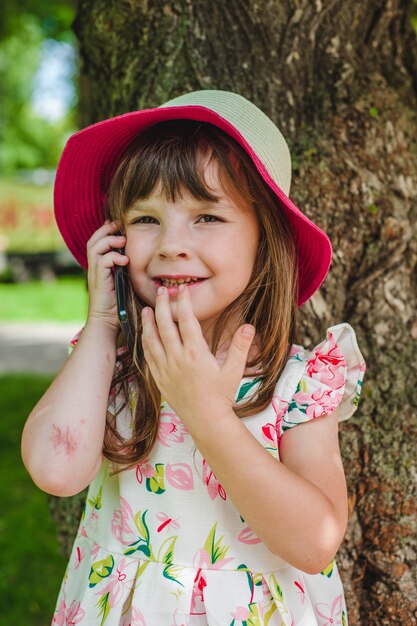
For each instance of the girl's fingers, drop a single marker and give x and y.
(238, 352)
(151, 339)
(111, 259)
(108, 228)
(102, 257)
(166, 326)
(105, 244)
(149, 358)
(188, 324)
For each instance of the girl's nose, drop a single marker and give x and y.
(174, 242)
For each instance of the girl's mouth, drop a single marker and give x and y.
(173, 286)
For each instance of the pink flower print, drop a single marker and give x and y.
(82, 531)
(300, 590)
(327, 400)
(92, 520)
(137, 618)
(95, 550)
(266, 593)
(302, 398)
(212, 556)
(179, 476)
(330, 614)
(202, 559)
(214, 488)
(180, 618)
(144, 470)
(171, 430)
(167, 522)
(320, 402)
(120, 527)
(118, 582)
(280, 407)
(330, 367)
(247, 536)
(68, 616)
(197, 599)
(79, 556)
(295, 350)
(324, 402)
(241, 613)
(269, 433)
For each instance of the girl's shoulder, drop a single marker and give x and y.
(316, 381)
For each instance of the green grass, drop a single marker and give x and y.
(31, 564)
(62, 300)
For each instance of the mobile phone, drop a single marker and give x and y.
(121, 279)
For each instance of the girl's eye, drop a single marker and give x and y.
(211, 217)
(144, 220)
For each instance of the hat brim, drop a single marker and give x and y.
(91, 156)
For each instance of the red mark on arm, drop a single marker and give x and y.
(63, 440)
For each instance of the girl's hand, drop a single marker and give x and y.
(101, 259)
(187, 374)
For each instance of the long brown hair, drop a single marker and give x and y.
(170, 156)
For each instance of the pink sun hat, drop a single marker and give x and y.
(91, 156)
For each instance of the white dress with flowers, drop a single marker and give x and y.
(162, 544)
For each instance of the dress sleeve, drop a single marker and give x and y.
(74, 342)
(331, 376)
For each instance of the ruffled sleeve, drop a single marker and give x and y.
(328, 377)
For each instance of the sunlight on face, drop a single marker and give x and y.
(216, 242)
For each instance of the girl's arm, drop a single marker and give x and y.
(63, 436)
(297, 507)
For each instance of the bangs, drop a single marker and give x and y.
(170, 158)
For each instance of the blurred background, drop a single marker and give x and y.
(43, 296)
(42, 290)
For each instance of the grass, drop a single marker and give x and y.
(31, 564)
(61, 300)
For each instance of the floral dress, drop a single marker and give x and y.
(162, 544)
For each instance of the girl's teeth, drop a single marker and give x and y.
(174, 283)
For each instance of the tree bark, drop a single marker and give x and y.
(340, 79)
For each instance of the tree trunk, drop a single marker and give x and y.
(340, 78)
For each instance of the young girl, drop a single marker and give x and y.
(210, 443)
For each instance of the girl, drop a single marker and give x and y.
(217, 494)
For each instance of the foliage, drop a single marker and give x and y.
(27, 140)
(31, 566)
(54, 16)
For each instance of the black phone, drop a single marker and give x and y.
(121, 280)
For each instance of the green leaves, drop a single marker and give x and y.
(143, 543)
(100, 569)
(156, 484)
(246, 387)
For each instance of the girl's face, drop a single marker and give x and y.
(216, 242)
